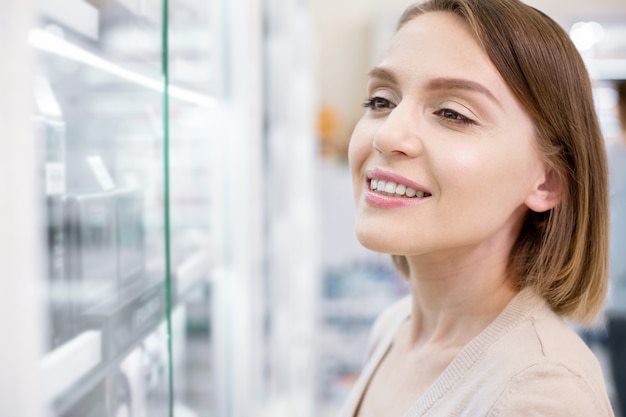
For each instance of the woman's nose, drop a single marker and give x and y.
(399, 133)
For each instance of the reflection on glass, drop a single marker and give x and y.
(99, 96)
(99, 116)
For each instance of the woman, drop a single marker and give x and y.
(479, 164)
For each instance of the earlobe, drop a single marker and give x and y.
(546, 194)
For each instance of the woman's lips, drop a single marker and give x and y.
(386, 189)
(393, 184)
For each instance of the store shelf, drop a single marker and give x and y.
(71, 362)
(355, 307)
(191, 272)
(119, 325)
(116, 326)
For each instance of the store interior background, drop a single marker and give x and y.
(273, 297)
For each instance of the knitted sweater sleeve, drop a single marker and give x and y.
(550, 390)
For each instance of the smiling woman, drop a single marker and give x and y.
(480, 167)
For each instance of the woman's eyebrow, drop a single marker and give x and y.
(382, 74)
(442, 83)
(461, 84)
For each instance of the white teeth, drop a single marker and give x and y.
(392, 188)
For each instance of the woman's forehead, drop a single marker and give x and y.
(440, 46)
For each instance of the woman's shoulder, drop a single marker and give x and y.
(551, 389)
(555, 340)
(544, 363)
(542, 336)
(530, 361)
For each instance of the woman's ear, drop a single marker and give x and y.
(546, 193)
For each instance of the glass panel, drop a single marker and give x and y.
(98, 96)
(194, 84)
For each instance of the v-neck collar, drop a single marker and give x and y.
(516, 311)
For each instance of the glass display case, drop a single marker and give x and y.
(123, 97)
(138, 278)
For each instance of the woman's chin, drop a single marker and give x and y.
(377, 243)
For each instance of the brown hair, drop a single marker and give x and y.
(561, 253)
(620, 86)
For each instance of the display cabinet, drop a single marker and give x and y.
(142, 259)
(121, 98)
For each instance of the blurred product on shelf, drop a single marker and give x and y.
(353, 296)
(616, 312)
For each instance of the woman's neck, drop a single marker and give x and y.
(454, 301)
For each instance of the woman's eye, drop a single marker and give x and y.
(454, 116)
(378, 103)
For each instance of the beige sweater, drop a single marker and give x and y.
(527, 362)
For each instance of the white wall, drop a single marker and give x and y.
(21, 278)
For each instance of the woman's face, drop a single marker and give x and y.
(445, 143)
